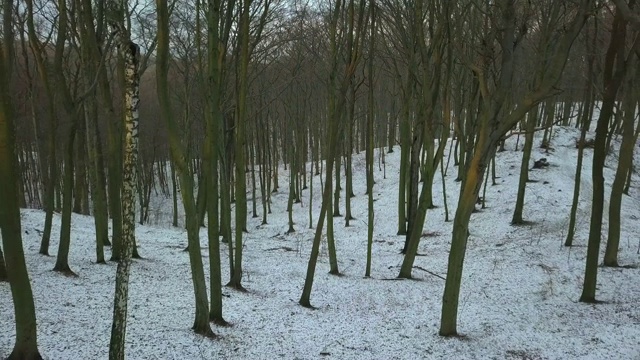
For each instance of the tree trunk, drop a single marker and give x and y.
(348, 158)
(50, 152)
(337, 187)
(129, 52)
(214, 120)
(331, 241)
(524, 166)
(263, 176)
(310, 206)
(624, 167)
(290, 198)
(81, 191)
(3, 267)
(96, 176)
(114, 141)
(466, 204)
(495, 121)
(252, 155)
(174, 193)
(614, 70)
(201, 199)
(240, 134)
(178, 152)
(405, 140)
(26, 344)
(50, 190)
(115, 184)
(413, 172)
(369, 137)
(586, 122)
(336, 102)
(583, 122)
(62, 260)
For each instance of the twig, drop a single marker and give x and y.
(427, 271)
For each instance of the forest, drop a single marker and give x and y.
(347, 179)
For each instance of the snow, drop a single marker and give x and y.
(519, 296)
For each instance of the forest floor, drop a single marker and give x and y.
(519, 296)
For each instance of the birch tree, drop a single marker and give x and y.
(129, 52)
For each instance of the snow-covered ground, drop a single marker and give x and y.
(519, 296)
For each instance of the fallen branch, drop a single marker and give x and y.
(430, 272)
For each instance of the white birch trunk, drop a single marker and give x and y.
(129, 52)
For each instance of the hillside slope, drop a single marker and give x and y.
(518, 301)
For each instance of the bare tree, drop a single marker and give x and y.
(338, 85)
(615, 67)
(495, 119)
(180, 159)
(26, 344)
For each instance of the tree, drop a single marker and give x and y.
(51, 176)
(338, 86)
(130, 53)
(530, 129)
(615, 66)
(3, 267)
(246, 45)
(369, 150)
(179, 157)
(240, 135)
(214, 119)
(625, 160)
(495, 120)
(26, 344)
(584, 122)
(401, 19)
(90, 54)
(71, 109)
(432, 55)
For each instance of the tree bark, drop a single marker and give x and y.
(62, 259)
(532, 119)
(369, 138)
(496, 120)
(336, 87)
(26, 344)
(614, 70)
(130, 53)
(3, 267)
(214, 120)
(178, 153)
(239, 150)
(586, 122)
(625, 160)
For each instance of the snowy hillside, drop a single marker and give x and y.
(519, 296)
